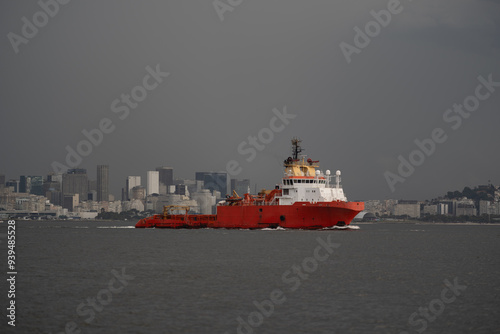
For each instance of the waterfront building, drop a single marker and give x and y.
(407, 208)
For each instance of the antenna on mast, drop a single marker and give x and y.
(296, 149)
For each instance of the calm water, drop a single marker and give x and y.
(111, 278)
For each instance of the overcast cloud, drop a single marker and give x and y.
(226, 77)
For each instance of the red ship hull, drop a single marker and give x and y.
(300, 215)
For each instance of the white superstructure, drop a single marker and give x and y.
(303, 182)
(305, 188)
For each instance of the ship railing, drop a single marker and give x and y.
(254, 202)
(267, 203)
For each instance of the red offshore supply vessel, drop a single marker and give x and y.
(306, 199)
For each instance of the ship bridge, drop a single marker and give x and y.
(304, 182)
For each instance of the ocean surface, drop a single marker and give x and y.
(107, 277)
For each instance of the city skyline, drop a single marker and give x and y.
(74, 195)
(77, 181)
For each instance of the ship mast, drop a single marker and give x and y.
(296, 149)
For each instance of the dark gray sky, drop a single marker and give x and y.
(227, 76)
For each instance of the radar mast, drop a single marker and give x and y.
(296, 149)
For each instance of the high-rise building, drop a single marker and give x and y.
(55, 197)
(14, 184)
(241, 186)
(2, 181)
(52, 189)
(24, 184)
(153, 185)
(52, 183)
(75, 181)
(37, 185)
(166, 178)
(31, 185)
(131, 182)
(102, 183)
(214, 181)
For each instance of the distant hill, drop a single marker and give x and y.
(486, 193)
